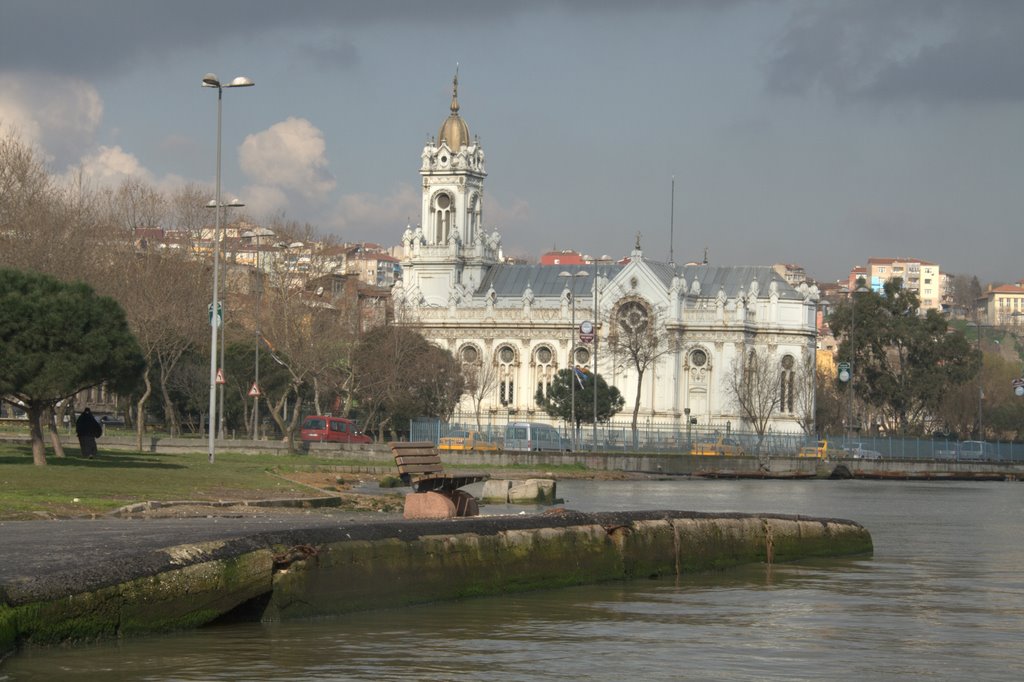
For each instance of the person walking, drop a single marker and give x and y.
(88, 430)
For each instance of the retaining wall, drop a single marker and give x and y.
(338, 568)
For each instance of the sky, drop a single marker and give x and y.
(812, 132)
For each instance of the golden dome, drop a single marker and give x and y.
(454, 130)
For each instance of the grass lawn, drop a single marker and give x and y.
(74, 486)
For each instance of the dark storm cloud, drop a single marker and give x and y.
(914, 50)
(87, 37)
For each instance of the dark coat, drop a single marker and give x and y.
(88, 426)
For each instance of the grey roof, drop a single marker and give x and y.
(510, 281)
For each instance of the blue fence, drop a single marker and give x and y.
(617, 436)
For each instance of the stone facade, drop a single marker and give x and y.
(518, 324)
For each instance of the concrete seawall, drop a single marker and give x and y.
(321, 568)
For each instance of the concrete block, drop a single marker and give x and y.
(495, 491)
(532, 491)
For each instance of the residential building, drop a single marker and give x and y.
(922, 277)
(795, 275)
(1003, 305)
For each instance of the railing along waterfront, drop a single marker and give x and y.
(651, 436)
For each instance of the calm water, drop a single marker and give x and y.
(941, 599)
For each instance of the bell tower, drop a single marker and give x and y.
(447, 256)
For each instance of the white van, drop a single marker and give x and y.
(533, 436)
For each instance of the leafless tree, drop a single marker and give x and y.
(754, 386)
(136, 204)
(635, 341)
(187, 211)
(804, 390)
(481, 378)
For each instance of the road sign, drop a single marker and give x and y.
(220, 312)
(1018, 382)
(220, 377)
(586, 331)
(844, 371)
(254, 392)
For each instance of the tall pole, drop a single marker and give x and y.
(981, 386)
(853, 353)
(223, 320)
(256, 381)
(211, 81)
(571, 284)
(853, 357)
(596, 281)
(572, 367)
(212, 421)
(672, 223)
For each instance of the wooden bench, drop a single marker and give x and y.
(436, 494)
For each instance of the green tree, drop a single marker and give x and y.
(903, 363)
(558, 400)
(57, 339)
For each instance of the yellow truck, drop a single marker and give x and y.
(721, 446)
(466, 441)
(819, 450)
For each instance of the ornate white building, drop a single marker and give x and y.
(518, 319)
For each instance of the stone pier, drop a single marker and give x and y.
(315, 567)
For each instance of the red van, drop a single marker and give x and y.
(321, 429)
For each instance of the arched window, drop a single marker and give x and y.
(786, 384)
(505, 358)
(544, 368)
(474, 218)
(442, 217)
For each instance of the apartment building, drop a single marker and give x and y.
(1004, 305)
(795, 275)
(920, 276)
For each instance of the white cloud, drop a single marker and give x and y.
(289, 155)
(57, 113)
(263, 200)
(109, 166)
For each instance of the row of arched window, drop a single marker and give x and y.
(544, 364)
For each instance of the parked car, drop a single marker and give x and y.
(858, 451)
(721, 446)
(325, 429)
(533, 436)
(112, 420)
(467, 441)
(819, 450)
(974, 450)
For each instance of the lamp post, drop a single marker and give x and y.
(981, 386)
(235, 203)
(596, 282)
(570, 283)
(211, 81)
(256, 235)
(853, 355)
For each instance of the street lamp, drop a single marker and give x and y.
(981, 376)
(853, 355)
(235, 203)
(571, 285)
(211, 81)
(256, 234)
(596, 283)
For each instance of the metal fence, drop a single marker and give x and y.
(617, 436)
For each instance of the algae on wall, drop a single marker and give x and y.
(362, 566)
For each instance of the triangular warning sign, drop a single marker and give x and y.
(254, 392)
(220, 377)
